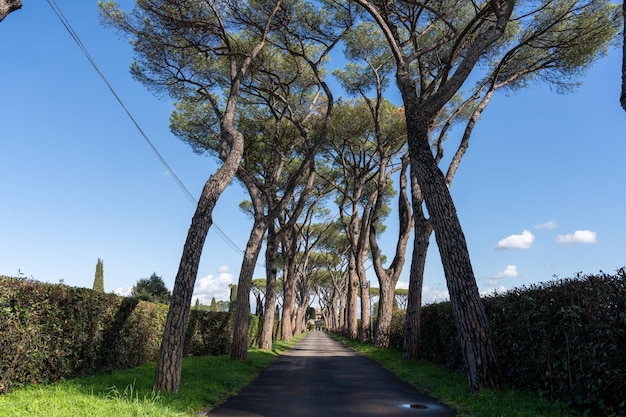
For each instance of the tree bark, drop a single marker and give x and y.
(365, 332)
(350, 320)
(421, 106)
(469, 313)
(170, 358)
(8, 6)
(388, 278)
(290, 280)
(271, 251)
(421, 239)
(241, 321)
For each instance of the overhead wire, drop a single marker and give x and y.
(59, 13)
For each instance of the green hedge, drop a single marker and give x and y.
(49, 332)
(565, 339)
(52, 331)
(211, 333)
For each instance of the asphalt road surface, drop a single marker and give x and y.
(320, 377)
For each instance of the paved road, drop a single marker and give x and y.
(320, 377)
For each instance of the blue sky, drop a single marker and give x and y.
(540, 193)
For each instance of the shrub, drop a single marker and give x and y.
(564, 339)
(211, 333)
(208, 333)
(49, 332)
(396, 333)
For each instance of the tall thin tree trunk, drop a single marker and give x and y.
(388, 278)
(413, 319)
(421, 240)
(271, 251)
(351, 319)
(365, 332)
(239, 348)
(366, 318)
(289, 301)
(169, 363)
(385, 313)
(301, 317)
(469, 313)
(340, 312)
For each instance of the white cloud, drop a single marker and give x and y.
(523, 241)
(435, 294)
(493, 291)
(214, 286)
(124, 292)
(579, 236)
(509, 272)
(547, 225)
(403, 285)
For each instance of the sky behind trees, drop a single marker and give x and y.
(541, 191)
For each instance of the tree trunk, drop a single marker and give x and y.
(340, 312)
(239, 348)
(388, 278)
(413, 318)
(366, 319)
(469, 313)
(8, 6)
(271, 251)
(301, 317)
(289, 303)
(350, 320)
(421, 240)
(170, 358)
(385, 313)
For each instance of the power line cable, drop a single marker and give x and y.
(184, 189)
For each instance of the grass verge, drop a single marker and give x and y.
(206, 382)
(452, 388)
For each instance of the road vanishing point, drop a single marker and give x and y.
(320, 377)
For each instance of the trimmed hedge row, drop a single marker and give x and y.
(565, 339)
(49, 332)
(211, 333)
(208, 333)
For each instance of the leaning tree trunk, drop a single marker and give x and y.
(170, 358)
(241, 321)
(239, 348)
(8, 6)
(271, 251)
(421, 239)
(469, 313)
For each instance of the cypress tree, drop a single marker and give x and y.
(213, 306)
(98, 281)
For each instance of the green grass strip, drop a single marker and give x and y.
(205, 383)
(452, 388)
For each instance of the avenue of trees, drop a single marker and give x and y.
(251, 86)
(323, 165)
